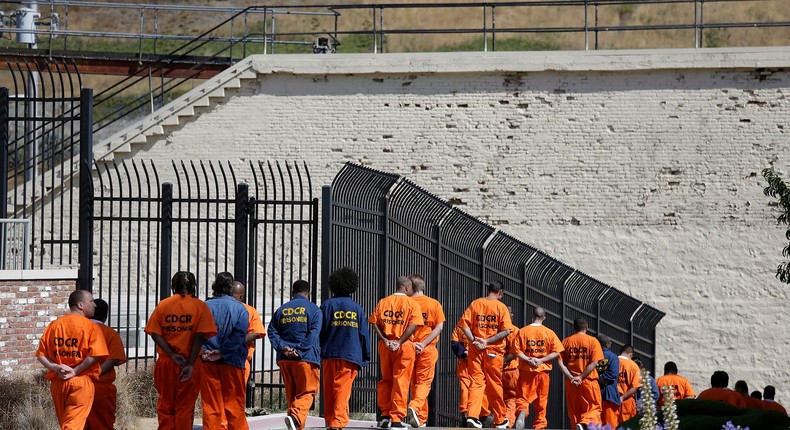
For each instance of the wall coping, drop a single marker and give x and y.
(520, 62)
(37, 275)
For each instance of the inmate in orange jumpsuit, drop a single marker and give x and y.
(486, 317)
(460, 348)
(178, 319)
(770, 405)
(393, 315)
(630, 377)
(723, 395)
(536, 341)
(102, 414)
(425, 362)
(752, 402)
(584, 401)
(680, 386)
(255, 326)
(69, 340)
(510, 375)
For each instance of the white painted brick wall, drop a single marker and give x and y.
(643, 173)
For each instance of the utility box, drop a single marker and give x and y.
(26, 20)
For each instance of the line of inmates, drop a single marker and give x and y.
(206, 348)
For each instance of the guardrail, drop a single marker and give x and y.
(15, 237)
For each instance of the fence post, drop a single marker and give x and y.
(4, 169)
(326, 240)
(384, 259)
(242, 227)
(166, 241)
(85, 252)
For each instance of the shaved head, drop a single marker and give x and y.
(402, 283)
(237, 290)
(538, 314)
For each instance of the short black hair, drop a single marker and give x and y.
(605, 341)
(222, 284)
(343, 282)
(300, 286)
(719, 379)
(579, 324)
(742, 387)
(757, 395)
(626, 349)
(769, 392)
(184, 283)
(638, 362)
(102, 309)
(670, 367)
(494, 287)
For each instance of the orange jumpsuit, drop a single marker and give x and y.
(584, 401)
(102, 414)
(536, 341)
(770, 405)
(393, 314)
(680, 386)
(485, 318)
(510, 375)
(723, 395)
(425, 362)
(178, 319)
(461, 370)
(255, 326)
(630, 377)
(69, 340)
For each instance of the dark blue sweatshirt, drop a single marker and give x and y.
(344, 334)
(297, 324)
(608, 371)
(232, 320)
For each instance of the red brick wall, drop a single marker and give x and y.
(26, 307)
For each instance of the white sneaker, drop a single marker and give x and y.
(581, 426)
(503, 425)
(520, 420)
(411, 418)
(473, 423)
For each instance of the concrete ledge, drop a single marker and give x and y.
(519, 62)
(37, 275)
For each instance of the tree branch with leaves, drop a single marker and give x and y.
(779, 190)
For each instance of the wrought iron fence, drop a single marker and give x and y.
(14, 244)
(380, 218)
(256, 220)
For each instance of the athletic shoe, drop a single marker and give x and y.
(504, 424)
(488, 421)
(411, 418)
(384, 423)
(399, 425)
(520, 420)
(290, 423)
(581, 426)
(473, 423)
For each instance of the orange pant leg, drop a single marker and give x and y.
(509, 393)
(247, 371)
(73, 400)
(211, 397)
(463, 381)
(477, 382)
(102, 414)
(393, 388)
(533, 387)
(422, 379)
(589, 402)
(572, 402)
(609, 413)
(339, 378)
(627, 410)
(176, 404)
(234, 391)
(493, 386)
(301, 385)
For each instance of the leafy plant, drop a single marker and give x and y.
(778, 189)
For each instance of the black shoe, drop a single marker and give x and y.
(399, 425)
(473, 423)
(503, 425)
(488, 421)
(581, 426)
(411, 418)
(290, 423)
(384, 423)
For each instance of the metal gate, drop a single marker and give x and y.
(256, 220)
(383, 219)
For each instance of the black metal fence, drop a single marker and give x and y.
(45, 120)
(207, 220)
(383, 225)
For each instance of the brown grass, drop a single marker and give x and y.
(25, 403)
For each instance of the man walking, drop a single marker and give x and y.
(425, 339)
(178, 326)
(70, 349)
(255, 328)
(535, 346)
(102, 414)
(578, 362)
(608, 373)
(344, 346)
(628, 382)
(487, 322)
(294, 333)
(395, 319)
(223, 390)
(680, 385)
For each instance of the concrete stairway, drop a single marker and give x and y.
(174, 114)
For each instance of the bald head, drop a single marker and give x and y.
(237, 290)
(538, 315)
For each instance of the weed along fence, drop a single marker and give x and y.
(383, 225)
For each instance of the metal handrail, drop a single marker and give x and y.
(15, 239)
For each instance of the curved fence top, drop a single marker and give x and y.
(362, 185)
